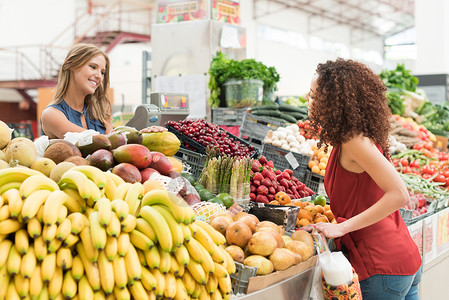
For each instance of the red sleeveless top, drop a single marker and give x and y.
(385, 247)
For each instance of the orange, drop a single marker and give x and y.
(324, 160)
(305, 214)
(319, 209)
(302, 222)
(322, 166)
(316, 169)
(321, 219)
(329, 214)
(322, 172)
(321, 154)
(300, 204)
(311, 209)
(327, 207)
(312, 163)
(274, 202)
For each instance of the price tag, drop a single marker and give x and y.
(292, 160)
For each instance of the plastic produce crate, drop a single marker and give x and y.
(281, 162)
(21, 130)
(228, 116)
(195, 160)
(255, 128)
(199, 148)
(241, 277)
(315, 182)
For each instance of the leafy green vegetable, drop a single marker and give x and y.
(399, 78)
(395, 103)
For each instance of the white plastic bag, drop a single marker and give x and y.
(336, 268)
(82, 138)
(41, 144)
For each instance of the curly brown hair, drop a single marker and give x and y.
(349, 100)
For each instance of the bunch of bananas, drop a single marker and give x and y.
(92, 236)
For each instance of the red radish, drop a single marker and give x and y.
(262, 199)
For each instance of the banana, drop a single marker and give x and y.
(12, 292)
(64, 258)
(204, 295)
(22, 285)
(110, 187)
(85, 291)
(40, 248)
(36, 283)
(34, 228)
(97, 231)
(87, 243)
(37, 182)
(138, 291)
(32, 203)
(181, 291)
(99, 295)
(94, 174)
(196, 293)
(204, 238)
(121, 208)
(159, 225)
(21, 241)
(48, 267)
(63, 230)
(76, 179)
(69, 286)
(217, 237)
(13, 262)
(186, 232)
(90, 268)
(152, 257)
(216, 295)
(8, 175)
(212, 284)
(70, 240)
(121, 294)
(52, 206)
(197, 272)
(208, 264)
(123, 244)
(170, 286)
(148, 280)
(160, 283)
(9, 226)
(225, 285)
(5, 247)
(174, 266)
(55, 284)
(133, 197)
(62, 214)
(2, 200)
(95, 195)
(114, 226)
(111, 248)
(10, 185)
(103, 206)
(220, 271)
(28, 263)
(77, 268)
(4, 212)
(142, 259)
(195, 250)
(175, 227)
(180, 209)
(143, 226)
(120, 275)
(4, 281)
(54, 246)
(117, 179)
(49, 233)
(140, 240)
(40, 214)
(229, 263)
(165, 263)
(74, 202)
(78, 221)
(189, 282)
(182, 256)
(14, 200)
(121, 190)
(128, 224)
(106, 273)
(133, 266)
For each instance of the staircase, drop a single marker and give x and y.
(32, 67)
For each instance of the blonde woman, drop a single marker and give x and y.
(80, 101)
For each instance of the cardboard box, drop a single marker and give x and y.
(260, 282)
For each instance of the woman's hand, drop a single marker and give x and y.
(329, 230)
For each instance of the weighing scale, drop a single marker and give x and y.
(163, 107)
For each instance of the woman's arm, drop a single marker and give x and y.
(55, 124)
(108, 126)
(366, 155)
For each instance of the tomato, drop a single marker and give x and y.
(428, 145)
(301, 124)
(445, 173)
(440, 178)
(443, 156)
(396, 162)
(417, 146)
(428, 169)
(447, 182)
(404, 162)
(414, 164)
(306, 126)
(406, 170)
(426, 176)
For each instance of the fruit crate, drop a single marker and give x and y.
(241, 277)
(228, 116)
(255, 128)
(315, 182)
(199, 148)
(281, 157)
(195, 160)
(21, 130)
(407, 214)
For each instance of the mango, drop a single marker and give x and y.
(135, 154)
(128, 172)
(102, 159)
(117, 139)
(133, 136)
(165, 142)
(99, 141)
(160, 163)
(146, 173)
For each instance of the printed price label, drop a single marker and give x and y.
(292, 160)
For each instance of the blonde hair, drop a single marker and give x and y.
(98, 103)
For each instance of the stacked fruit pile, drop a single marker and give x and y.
(93, 234)
(262, 244)
(319, 159)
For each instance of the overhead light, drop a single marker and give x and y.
(383, 25)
